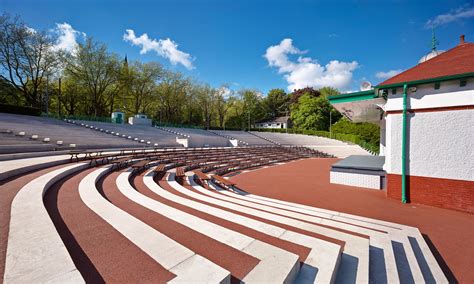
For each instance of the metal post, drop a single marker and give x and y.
(404, 130)
(330, 124)
(249, 122)
(59, 98)
(47, 95)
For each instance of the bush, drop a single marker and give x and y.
(368, 132)
(20, 110)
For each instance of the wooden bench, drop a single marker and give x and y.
(160, 168)
(222, 181)
(119, 163)
(139, 166)
(180, 172)
(95, 159)
(202, 176)
(88, 154)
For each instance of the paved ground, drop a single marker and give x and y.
(307, 182)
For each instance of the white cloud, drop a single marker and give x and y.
(67, 37)
(163, 47)
(454, 15)
(30, 30)
(307, 72)
(388, 74)
(225, 92)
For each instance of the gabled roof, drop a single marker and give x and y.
(456, 61)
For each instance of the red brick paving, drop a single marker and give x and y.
(307, 182)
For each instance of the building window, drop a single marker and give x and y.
(437, 85)
(394, 91)
(462, 83)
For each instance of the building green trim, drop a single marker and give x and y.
(351, 97)
(404, 145)
(370, 94)
(426, 81)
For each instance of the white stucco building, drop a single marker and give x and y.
(277, 122)
(426, 114)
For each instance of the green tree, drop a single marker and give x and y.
(329, 91)
(96, 70)
(142, 84)
(172, 95)
(27, 56)
(295, 96)
(224, 101)
(313, 113)
(275, 103)
(252, 106)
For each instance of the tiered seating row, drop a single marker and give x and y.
(198, 228)
(21, 133)
(145, 135)
(244, 138)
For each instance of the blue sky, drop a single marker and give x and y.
(226, 41)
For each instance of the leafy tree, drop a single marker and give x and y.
(207, 97)
(275, 103)
(72, 96)
(252, 106)
(96, 70)
(329, 91)
(223, 103)
(313, 113)
(8, 93)
(295, 96)
(26, 58)
(172, 95)
(142, 83)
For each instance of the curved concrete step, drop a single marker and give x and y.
(321, 263)
(35, 251)
(355, 259)
(419, 257)
(171, 255)
(380, 243)
(276, 265)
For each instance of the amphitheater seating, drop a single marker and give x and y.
(144, 135)
(199, 137)
(244, 138)
(55, 131)
(331, 146)
(170, 230)
(222, 180)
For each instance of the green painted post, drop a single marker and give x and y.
(404, 142)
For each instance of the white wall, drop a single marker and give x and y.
(382, 144)
(272, 125)
(449, 94)
(440, 144)
(353, 179)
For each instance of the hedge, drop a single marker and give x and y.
(345, 137)
(20, 110)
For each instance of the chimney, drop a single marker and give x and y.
(461, 40)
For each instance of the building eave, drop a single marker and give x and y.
(426, 81)
(351, 97)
